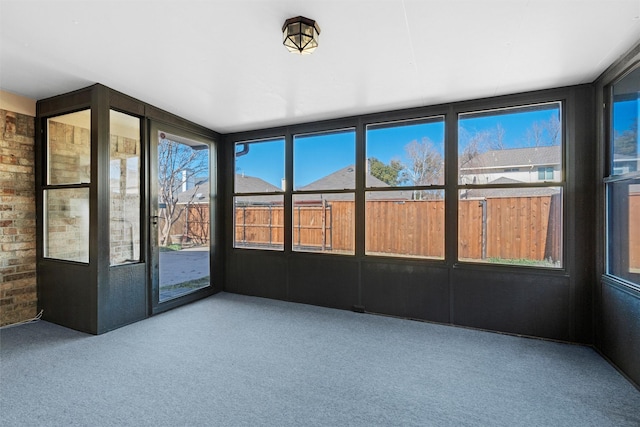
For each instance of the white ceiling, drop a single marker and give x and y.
(221, 63)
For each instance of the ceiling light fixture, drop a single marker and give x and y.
(300, 35)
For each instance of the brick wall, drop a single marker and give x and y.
(18, 293)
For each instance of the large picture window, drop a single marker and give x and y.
(259, 183)
(404, 204)
(506, 186)
(324, 180)
(623, 181)
(510, 176)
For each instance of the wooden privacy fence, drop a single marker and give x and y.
(511, 228)
(506, 228)
(191, 227)
(411, 227)
(314, 227)
(261, 225)
(493, 228)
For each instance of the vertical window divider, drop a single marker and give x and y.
(360, 225)
(288, 197)
(451, 187)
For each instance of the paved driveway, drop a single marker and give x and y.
(182, 266)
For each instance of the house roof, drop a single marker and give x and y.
(251, 184)
(341, 179)
(344, 179)
(244, 184)
(515, 157)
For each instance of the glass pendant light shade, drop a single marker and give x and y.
(300, 35)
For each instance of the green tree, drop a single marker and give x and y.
(388, 173)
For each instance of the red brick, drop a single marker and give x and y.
(18, 291)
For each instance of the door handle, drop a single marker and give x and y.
(154, 219)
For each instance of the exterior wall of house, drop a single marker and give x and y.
(18, 291)
(523, 174)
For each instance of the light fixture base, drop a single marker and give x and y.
(300, 35)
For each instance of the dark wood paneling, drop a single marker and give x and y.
(165, 117)
(255, 273)
(63, 104)
(325, 280)
(580, 215)
(620, 328)
(123, 299)
(617, 308)
(410, 290)
(514, 302)
(96, 298)
(541, 302)
(67, 295)
(125, 103)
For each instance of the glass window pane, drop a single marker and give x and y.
(183, 182)
(626, 112)
(520, 226)
(624, 230)
(406, 153)
(324, 223)
(259, 222)
(324, 161)
(400, 224)
(259, 166)
(509, 146)
(66, 224)
(184, 193)
(124, 188)
(69, 148)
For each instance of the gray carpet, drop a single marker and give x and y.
(232, 360)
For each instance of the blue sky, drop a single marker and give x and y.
(515, 124)
(624, 113)
(319, 155)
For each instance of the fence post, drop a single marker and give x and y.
(330, 210)
(299, 227)
(270, 228)
(324, 224)
(483, 203)
(244, 224)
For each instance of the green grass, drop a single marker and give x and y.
(523, 262)
(170, 248)
(190, 284)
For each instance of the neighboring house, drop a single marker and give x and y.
(251, 184)
(198, 194)
(344, 179)
(625, 164)
(195, 201)
(531, 164)
(492, 193)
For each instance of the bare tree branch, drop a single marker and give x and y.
(426, 164)
(178, 164)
